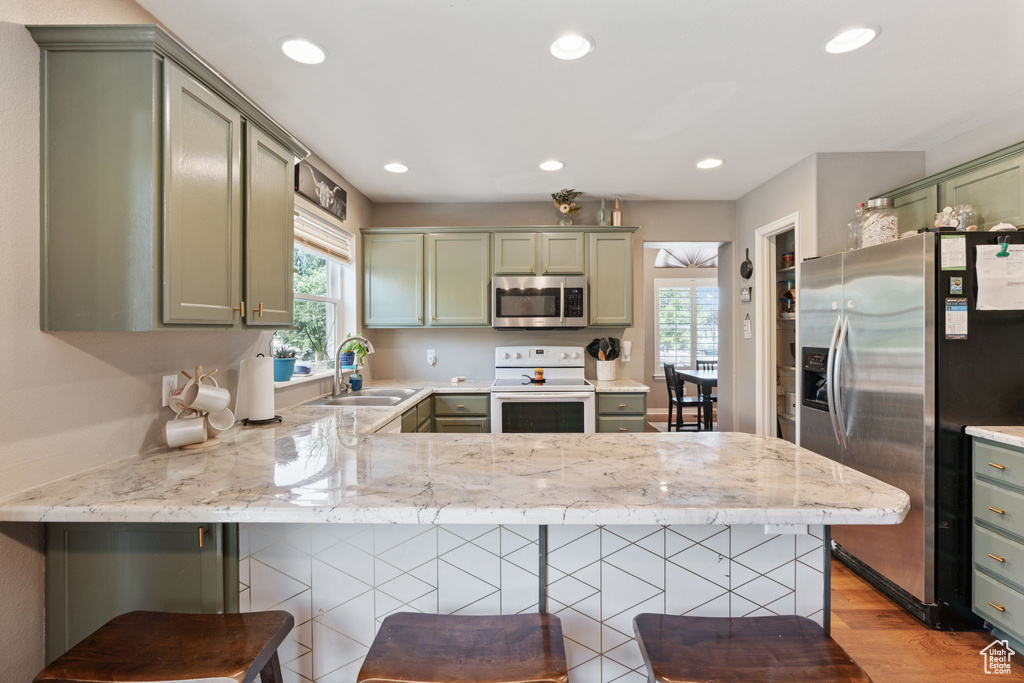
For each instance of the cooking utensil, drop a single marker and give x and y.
(593, 348)
(615, 347)
(605, 347)
(747, 268)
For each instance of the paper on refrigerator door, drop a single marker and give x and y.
(1000, 279)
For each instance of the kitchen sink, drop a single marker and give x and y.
(366, 397)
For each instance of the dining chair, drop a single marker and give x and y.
(677, 398)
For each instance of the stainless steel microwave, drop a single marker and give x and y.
(525, 301)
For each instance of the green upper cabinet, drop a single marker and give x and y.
(515, 253)
(561, 253)
(458, 279)
(203, 204)
(154, 216)
(270, 230)
(610, 276)
(916, 209)
(996, 190)
(393, 280)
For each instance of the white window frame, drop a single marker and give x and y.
(335, 289)
(693, 283)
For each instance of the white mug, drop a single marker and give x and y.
(219, 422)
(184, 431)
(206, 398)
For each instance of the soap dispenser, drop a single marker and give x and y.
(355, 380)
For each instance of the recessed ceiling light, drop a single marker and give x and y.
(396, 167)
(710, 163)
(551, 165)
(851, 39)
(302, 50)
(572, 46)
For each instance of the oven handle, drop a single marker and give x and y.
(561, 306)
(531, 395)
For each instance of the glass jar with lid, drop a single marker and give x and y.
(880, 223)
(966, 217)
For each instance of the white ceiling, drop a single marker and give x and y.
(467, 95)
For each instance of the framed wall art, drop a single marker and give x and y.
(318, 188)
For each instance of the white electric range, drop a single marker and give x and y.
(564, 402)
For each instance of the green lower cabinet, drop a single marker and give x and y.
(462, 425)
(621, 412)
(610, 275)
(96, 571)
(418, 419)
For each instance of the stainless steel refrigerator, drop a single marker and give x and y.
(887, 393)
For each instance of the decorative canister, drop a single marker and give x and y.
(787, 260)
(880, 223)
(605, 370)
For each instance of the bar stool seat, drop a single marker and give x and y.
(437, 648)
(144, 647)
(706, 649)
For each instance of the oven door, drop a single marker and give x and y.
(542, 413)
(527, 301)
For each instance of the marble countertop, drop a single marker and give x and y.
(624, 386)
(1011, 436)
(325, 465)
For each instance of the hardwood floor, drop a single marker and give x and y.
(891, 645)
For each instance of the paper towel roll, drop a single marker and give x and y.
(255, 389)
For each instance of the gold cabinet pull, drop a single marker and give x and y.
(997, 510)
(997, 558)
(623, 429)
(595, 319)
(547, 266)
(998, 607)
(433, 318)
(483, 426)
(531, 267)
(998, 467)
(258, 310)
(419, 319)
(622, 405)
(460, 406)
(240, 308)
(202, 536)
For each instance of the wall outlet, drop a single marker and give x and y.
(168, 386)
(431, 358)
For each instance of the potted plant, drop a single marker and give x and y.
(284, 362)
(352, 352)
(318, 344)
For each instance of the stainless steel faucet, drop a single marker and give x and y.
(341, 387)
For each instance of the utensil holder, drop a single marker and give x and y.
(605, 370)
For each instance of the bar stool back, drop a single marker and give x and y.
(150, 647)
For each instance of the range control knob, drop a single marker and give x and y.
(519, 355)
(575, 355)
(564, 356)
(505, 356)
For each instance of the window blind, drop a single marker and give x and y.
(321, 237)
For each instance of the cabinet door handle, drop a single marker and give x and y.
(623, 429)
(595, 319)
(997, 558)
(546, 267)
(460, 406)
(433, 318)
(531, 268)
(258, 310)
(483, 426)
(998, 467)
(202, 536)
(997, 510)
(419, 319)
(998, 607)
(622, 405)
(240, 308)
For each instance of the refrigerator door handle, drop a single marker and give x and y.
(829, 377)
(838, 376)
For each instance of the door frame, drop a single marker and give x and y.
(765, 349)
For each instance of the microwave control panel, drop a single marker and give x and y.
(573, 302)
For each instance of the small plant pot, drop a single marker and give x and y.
(605, 370)
(348, 359)
(284, 368)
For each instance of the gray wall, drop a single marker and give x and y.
(73, 400)
(469, 352)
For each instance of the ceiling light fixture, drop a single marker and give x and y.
(572, 46)
(851, 39)
(302, 50)
(396, 167)
(551, 165)
(710, 163)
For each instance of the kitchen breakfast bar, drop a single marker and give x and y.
(341, 527)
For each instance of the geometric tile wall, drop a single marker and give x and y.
(340, 580)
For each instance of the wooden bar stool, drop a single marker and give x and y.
(437, 648)
(143, 647)
(705, 649)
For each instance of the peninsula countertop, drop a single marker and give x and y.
(1010, 436)
(326, 465)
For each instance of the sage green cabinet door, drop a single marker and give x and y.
(393, 280)
(917, 209)
(458, 279)
(561, 253)
(515, 253)
(269, 230)
(462, 425)
(610, 275)
(96, 571)
(996, 190)
(203, 204)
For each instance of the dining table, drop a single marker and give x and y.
(706, 381)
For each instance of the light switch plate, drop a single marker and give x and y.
(168, 386)
(431, 358)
